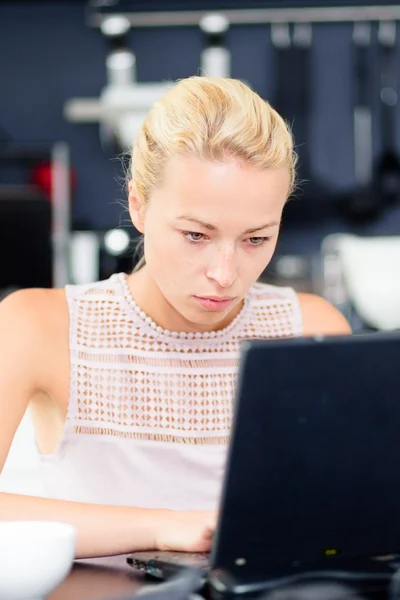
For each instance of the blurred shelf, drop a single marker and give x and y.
(20, 192)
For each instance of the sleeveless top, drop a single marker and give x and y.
(150, 410)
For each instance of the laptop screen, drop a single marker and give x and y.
(313, 470)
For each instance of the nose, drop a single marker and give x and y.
(223, 270)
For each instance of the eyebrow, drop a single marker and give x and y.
(211, 227)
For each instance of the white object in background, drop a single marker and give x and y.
(84, 257)
(123, 103)
(121, 68)
(35, 557)
(121, 107)
(215, 59)
(20, 472)
(216, 62)
(116, 241)
(370, 268)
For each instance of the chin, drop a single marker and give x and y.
(205, 318)
(210, 319)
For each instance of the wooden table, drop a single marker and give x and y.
(91, 581)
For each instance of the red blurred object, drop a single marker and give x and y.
(41, 176)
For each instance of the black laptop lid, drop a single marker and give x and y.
(314, 464)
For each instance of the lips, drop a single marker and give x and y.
(214, 303)
(216, 298)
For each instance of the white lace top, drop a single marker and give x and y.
(150, 410)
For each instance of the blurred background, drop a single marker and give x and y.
(77, 78)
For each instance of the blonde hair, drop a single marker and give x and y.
(212, 118)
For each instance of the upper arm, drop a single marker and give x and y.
(320, 317)
(20, 360)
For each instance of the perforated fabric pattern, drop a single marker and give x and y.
(132, 381)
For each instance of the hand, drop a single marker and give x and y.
(187, 531)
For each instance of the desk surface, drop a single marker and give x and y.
(91, 581)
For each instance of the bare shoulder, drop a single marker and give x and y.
(34, 321)
(320, 317)
(34, 327)
(34, 308)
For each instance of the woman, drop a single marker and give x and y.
(130, 380)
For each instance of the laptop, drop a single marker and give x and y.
(312, 481)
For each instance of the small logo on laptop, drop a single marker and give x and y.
(331, 551)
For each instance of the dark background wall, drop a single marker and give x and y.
(49, 54)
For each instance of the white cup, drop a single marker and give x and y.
(35, 557)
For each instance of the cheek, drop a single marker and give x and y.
(254, 265)
(271, 249)
(169, 257)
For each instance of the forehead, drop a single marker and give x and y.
(220, 188)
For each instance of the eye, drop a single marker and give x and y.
(258, 241)
(193, 236)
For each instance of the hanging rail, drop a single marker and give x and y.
(256, 16)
